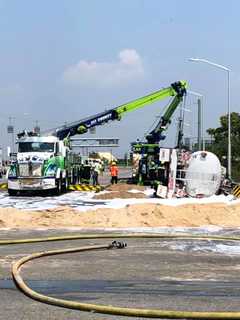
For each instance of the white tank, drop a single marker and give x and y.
(203, 175)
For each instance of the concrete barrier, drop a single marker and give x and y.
(84, 187)
(3, 186)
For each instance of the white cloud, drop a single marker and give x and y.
(127, 69)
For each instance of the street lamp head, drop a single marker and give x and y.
(209, 62)
(193, 59)
(195, 93)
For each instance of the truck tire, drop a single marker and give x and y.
(12, 192)
(58, 189)
(73, 176)
(65, 183)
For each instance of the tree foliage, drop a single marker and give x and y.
(219, 144)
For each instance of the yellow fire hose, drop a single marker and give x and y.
(107, 309)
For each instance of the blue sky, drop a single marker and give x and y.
(63, 60)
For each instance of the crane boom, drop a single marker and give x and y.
(83, 125)
(156, 134)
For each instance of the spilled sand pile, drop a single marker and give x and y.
(120, 195)
(138, 215)
(121, 191)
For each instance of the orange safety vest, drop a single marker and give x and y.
(114, 171)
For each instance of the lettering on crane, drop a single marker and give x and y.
(101, 119)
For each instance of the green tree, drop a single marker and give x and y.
(219, 144)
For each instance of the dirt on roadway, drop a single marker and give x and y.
(122, 191)
(135, 215)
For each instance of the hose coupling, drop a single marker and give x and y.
(117, 245)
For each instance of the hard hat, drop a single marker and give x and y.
(113, 163)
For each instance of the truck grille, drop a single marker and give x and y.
(36, 169)
(23, 169)
(30, 169)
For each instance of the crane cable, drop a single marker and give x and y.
(107, 309)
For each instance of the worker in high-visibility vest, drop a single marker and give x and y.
(114, 172)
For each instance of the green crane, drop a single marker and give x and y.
(176, 89)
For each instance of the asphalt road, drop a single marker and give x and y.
(178, 275)
(124, 173)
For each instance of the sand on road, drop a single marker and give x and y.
(137, 215)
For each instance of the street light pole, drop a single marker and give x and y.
(229, 131)
(229, 169)
(200, 118)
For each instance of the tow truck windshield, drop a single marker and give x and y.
(36, 147)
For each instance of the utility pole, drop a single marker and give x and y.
(199, 124)
(10, 130)
(37, 128)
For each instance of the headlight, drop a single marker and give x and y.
(12, 172)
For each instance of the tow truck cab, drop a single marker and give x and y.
(39, 164)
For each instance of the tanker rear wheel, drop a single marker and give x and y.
(12, 192)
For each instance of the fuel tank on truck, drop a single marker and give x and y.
(203, 175)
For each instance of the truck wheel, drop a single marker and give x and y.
(73, 176)
(12, 192)
(65, 184)
(58, 189)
